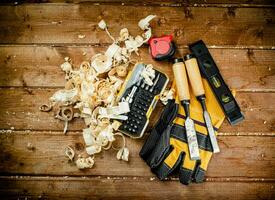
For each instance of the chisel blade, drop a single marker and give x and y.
(211, 132)
(192, 139)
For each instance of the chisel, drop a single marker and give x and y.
(198, 90)
(184, 97)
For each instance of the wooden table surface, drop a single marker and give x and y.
(37, 35)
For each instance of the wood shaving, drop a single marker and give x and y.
(30, 146)
(124, 34)
(69, 152)
(91, 150)
(116, 125)
(84, 163)
(102, 24)
(123, 140)
(148, 74)
(101, 63)
(144, 23)
(65, 114)
(112, 50)
(121, 70)
(45, 108)
(64, 96)
(123, 154)
(66, 66)
(80, 36)
(91, 89)
(166, 95)
(123, 107)
(88, 137)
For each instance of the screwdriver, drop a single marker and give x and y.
(197, 87)
(184, 97)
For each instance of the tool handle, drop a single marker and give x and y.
(181, 81)
(194, 75)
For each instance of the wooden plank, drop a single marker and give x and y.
(37, 66)
(98, 188)
(157, 2)
(63, 23)
(19, 110)
(242, 156)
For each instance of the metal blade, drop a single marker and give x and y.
(192, 139)
(211, 132)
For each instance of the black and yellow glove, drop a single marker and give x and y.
(171, 152)
(168, 115)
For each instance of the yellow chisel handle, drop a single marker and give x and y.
(180, 76)
(194, 75)
(181, 80)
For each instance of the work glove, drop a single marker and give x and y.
(170, 152)
(167, 116)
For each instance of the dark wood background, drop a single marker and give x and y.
(36, 35)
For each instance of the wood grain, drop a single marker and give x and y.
(63, 23)
(239, 3)
(38, 66)
(19, 110)
(103, 188)
(35, 38)
(242, 156)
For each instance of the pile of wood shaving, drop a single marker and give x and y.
(91, 92)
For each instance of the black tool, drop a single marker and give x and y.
(141, 98)
(211, 72)
(154, 84)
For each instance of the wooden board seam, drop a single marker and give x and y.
(79, 133)
(133, 178)
(28, 88)
(87, 45)
(156, 4)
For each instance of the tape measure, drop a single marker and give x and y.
(162, 48)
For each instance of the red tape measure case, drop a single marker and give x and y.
(162, 48)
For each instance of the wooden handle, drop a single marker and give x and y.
(181, 81)
(194, 76)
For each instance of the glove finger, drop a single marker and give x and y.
(160, 150)
(169, 165)
(179, 141)
(200, 170)
(199, 175)
(149, 144)
(166, 118)
(206, 149)
(187, 167)
(171, 112)
(205, 153)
